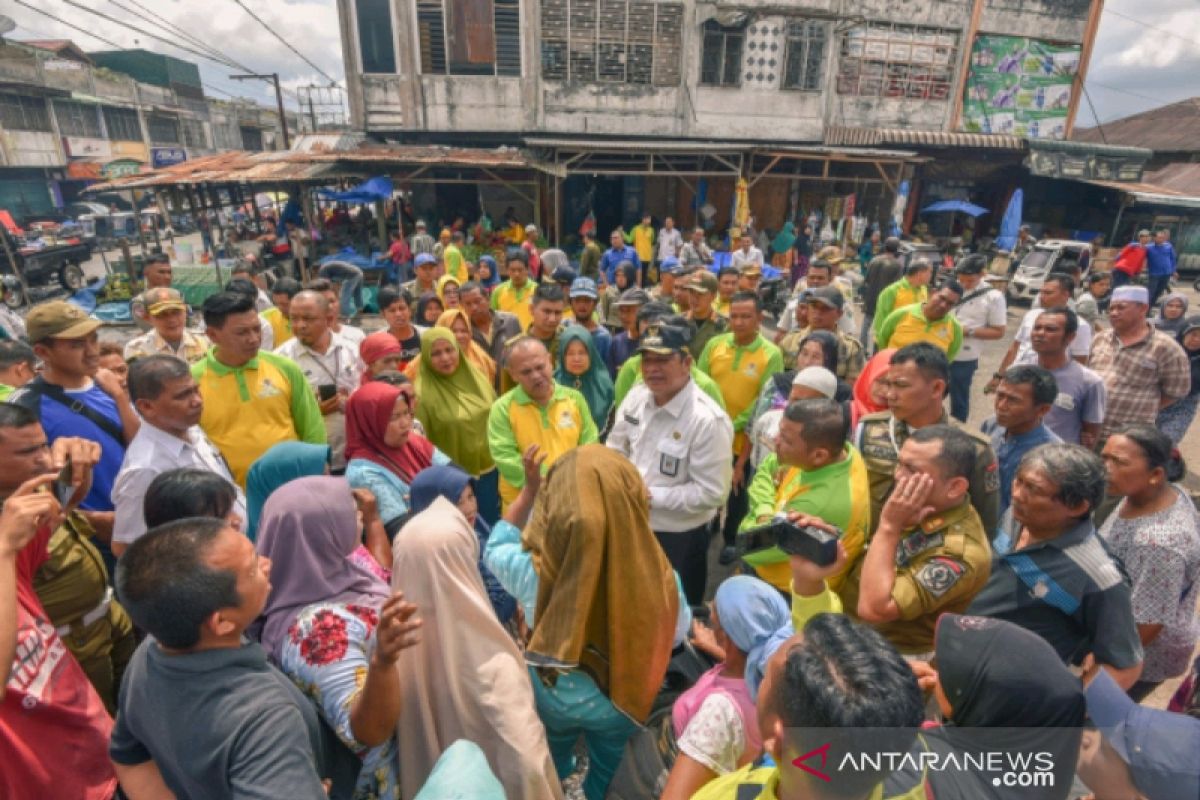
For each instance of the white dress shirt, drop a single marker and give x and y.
(682, 450)
(986, 310)
(154, 451)
(1081, 345)
(339, 365)
(741, 258)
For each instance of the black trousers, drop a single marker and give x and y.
(738, 505)
(688, 553)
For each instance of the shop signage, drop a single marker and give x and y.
(84, 147)
(121, 168)
(1019, 87)
(166, 156)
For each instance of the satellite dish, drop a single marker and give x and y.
(6, 24)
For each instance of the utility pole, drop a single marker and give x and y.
(273, 78)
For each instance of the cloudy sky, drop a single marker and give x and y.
(1147, 52)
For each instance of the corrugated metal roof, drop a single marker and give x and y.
(821, 150)
(1152, 193)
(1089, 148)
(1177, 177)
(1170, 128)
(869, 137)
(639, 145)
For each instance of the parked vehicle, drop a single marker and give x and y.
(108, 223)
(41, 266)
(1050, 255)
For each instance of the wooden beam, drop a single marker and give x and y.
(1085, 55)
(509, 185)
(765, 170)
(964, 64)
(883, 174)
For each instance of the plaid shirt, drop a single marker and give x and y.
(1139, 376)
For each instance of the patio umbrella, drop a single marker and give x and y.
(955, 207)
(1010, 225)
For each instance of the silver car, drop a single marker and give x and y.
(1050, 255)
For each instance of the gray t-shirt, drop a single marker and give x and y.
(1081, 398)
(221, 724)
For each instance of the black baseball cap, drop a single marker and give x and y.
(664, 340)
(826, 295)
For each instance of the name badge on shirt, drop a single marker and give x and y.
(670, 457)
(1065, 401)
(565, 420)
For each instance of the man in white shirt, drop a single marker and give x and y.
(670, 240)
(1056, 292)
(680, 440)
(695, 253)
(330, 364)
(166, 396)
(983, 314)
(350, 333)
(746, 254)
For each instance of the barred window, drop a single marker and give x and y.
(23, 113)
(77, 119)
(163, 129)
(612, 41)
(805, 54)
(721, 54)
(469, 37)
(252, 139)
(122, 124)
(193, 133)
(884, 60)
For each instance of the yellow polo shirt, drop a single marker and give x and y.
(740, 371)
(908, 325)
(248, 409)
(507, 297)
(516, 422)
(456, 266)
(281, 326)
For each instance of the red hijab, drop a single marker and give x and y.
(862, 404)
(377, 346)
(368, 412)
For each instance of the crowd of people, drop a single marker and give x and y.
(260, 552)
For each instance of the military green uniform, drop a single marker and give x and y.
(880, 438)
(851, 358)
(715, 325)
(73, 587)
(940, 566)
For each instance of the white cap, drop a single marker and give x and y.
(818, 379)
(531, 228)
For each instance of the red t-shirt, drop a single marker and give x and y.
(1131, 260)
(54, 730)
(399, 252)
(535, 261)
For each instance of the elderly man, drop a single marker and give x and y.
(539, 412)
(491, 329)
(165, 394)
(913, 287)
(678, 438)
(695, 254)
(916, 396)
(252, 399)
(929, 554)
(1144, 369)
(421, 241)
(72, 581)
(547, 315)
(167, 314)
(930, 321)
(330, 364)
(1052, 574)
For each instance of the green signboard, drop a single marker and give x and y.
(1018, 86)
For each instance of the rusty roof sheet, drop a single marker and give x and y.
(1169, 128)
(1184, 178)
(317, 164)
(871, 137)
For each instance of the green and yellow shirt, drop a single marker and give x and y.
(897, 295)
(908, 325)
(507, 297)
(740, 371)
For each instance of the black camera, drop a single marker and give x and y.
(808, 541)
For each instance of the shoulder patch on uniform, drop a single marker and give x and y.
(991, 478)
(939, 574)
(877, 416)
(1091, 557)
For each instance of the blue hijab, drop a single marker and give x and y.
(491, 282)
(283, 463)
(752, 613)
(449, 482)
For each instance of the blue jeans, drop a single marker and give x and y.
(961, 375)
(604, 729)
(1158, 285)
(350, 278)
(1120, 278)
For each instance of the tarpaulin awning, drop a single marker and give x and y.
(370, 190)
(955, 206)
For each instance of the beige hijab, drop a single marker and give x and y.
(465, 679)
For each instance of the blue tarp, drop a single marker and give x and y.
(958, 206)
(1010, 225)
(368, 191)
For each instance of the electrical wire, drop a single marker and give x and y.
(1145, 24)
(154, 19)
(285, 42)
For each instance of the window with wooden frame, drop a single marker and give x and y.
(897, 61)
(77, 119)
(163, 129)
(469, 37)
(376, 46)
(805, 54)
(24, 113)
(612, 41)
(122, 124)
(721, 54)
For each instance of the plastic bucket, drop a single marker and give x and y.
(184, 254)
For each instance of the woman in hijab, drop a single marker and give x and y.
(604, 606)
(429, 308)
(457, 321)
(287, 461)
(625, 276)
(458, 487)
(467, 679)
(383, 452)
(1175, 419)
(381, 353)
(489, 274)
(715, 724)
(334, 629)
(817, 349)
(870, 390)
(1172, 313)
(582, 369)
(447, 291)
(782, 255)
(455, 400)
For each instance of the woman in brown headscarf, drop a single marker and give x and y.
(603, 603)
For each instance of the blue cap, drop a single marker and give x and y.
(670, 266)
(1159, 747)
(584, 287)
(425, 258)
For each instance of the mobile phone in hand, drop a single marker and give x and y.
(326, 391)
(61, 487)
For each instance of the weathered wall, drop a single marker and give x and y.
(1052, 20)
(30, 149)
